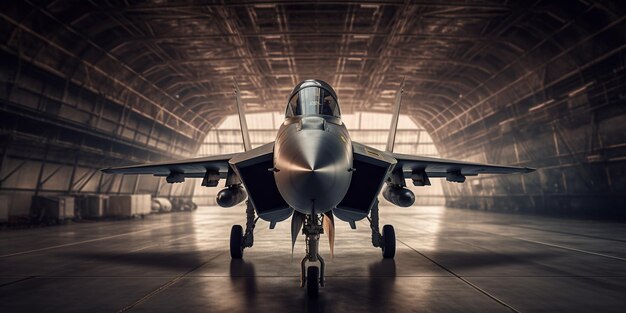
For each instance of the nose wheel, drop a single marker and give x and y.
(312, 281)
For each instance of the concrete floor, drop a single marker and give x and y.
(448, 260)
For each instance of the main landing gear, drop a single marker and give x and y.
(312, 276)
(239, 239)
(385, 241)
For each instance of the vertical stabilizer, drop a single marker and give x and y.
(242, 120)
(394, 119)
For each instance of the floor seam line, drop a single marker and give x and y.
(170, 283)
(554, 245)
(17, 281)
(467, 282)
(87, 241)
(166, 285)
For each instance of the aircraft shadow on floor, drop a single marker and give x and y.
(243, 276)
(452, 259)
(378, 288)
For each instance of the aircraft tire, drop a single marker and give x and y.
(312, 281)
(236, 240)
(389, 242)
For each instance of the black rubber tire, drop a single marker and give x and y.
(389, 242)
(312, 281)
(236, 240)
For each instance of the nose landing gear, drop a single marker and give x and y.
(313, 276)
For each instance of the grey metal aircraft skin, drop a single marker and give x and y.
(313, 173)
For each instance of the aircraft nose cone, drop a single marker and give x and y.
(312, 168)
(310, 157)
(313, 171)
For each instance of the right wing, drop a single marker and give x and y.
(420, 168)
(436, 167)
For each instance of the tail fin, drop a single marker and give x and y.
(394, 119)
(242, 120)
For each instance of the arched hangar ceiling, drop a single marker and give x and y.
(90, 84)
(175, 62)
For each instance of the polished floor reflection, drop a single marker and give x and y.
(447, 260)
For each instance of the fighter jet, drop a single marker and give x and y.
(313, 172)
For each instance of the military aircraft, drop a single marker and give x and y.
(312, 173)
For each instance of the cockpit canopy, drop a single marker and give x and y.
(313, 97)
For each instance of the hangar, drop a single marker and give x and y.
(96, 84)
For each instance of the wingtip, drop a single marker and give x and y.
(530, 169)
(107, 170)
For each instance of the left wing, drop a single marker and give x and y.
(415, 166)
(177, 171)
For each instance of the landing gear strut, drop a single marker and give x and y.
(313, 276)
(239, 239)
(387, 240)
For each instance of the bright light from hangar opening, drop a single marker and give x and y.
(368, 128)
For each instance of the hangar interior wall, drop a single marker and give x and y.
(568, 119)
(56, 134)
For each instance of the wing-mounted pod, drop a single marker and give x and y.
(253, 168)
(234, 193)
(231, 196)
(211, 178)
(175, 177)
(419, 177)
(371, 168)
(396, 191)
(399, 196)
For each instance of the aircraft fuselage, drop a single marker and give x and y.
(313, 162)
